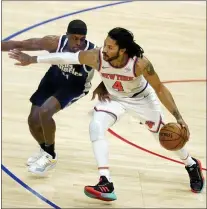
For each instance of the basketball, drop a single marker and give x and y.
(172, 137)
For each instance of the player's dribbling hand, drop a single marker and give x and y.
(183, 125)
(24, 59)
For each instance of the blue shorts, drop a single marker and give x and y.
(54, 84)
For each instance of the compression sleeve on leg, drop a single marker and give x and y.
(59, 58)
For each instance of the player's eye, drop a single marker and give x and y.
(82, 39)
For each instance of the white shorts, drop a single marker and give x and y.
(146, 106)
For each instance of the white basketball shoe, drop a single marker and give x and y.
(35, 157)
(43, 164)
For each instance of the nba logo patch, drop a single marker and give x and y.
(150, 124)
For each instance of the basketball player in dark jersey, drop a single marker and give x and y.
(61, 86)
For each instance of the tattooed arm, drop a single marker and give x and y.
(48, 43)
(164, 95)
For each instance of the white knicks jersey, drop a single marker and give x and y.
(121, 82)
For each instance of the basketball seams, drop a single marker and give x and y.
(179, 136)
(169, 131)
(164, 140)
(178, 144)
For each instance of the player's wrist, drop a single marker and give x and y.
(177, 115)
(33, 59)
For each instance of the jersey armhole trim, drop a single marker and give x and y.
(65, 42)
(100, 61)
(134, 67)
(87, 46)
(59, 42)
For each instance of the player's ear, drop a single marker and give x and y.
(122, 51)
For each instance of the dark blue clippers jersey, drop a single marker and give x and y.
(77, 77)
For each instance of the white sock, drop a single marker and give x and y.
(185, 157)
(182, 153)
(100, 149)
(101, 121)
(105, 172)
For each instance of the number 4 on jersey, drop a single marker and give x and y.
(118, 86)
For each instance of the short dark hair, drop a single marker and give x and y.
(77, 27)
(125, 40)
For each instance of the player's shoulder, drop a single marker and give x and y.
(51, 37)
(50, 42)
(141, 64)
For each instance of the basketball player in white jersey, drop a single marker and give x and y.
(133, 84)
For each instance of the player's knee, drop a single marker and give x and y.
(33, 121)
(44, 113)
(96, 130)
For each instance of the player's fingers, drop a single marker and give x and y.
(103, 98)
(93, 96)
(187, 130)
(14, 52)
(99, 97)
(182, 124)
(18, 63)
(13, 57)
(106, 97)
(185, 126)
(11, 54)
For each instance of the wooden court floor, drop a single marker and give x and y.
(173, 35)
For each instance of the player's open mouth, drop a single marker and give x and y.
(75, 48)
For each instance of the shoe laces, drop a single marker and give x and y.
(101, 182)
(38, 154)
(44, 160)
(194, 174)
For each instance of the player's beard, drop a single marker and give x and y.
(109, 59)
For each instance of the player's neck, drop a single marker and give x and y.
(120, 61)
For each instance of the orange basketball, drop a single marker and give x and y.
(172, 137)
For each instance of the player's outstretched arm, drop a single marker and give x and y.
(162, 92)
(47, 43)
(89, 57)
